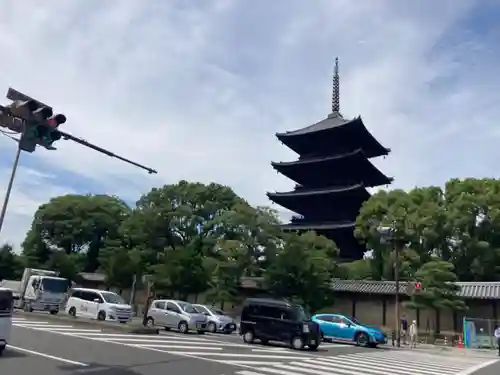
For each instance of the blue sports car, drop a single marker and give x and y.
(337, 327)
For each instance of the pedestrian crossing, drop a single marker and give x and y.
(174, 343)
(388, 362)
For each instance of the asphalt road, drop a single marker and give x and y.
(58, 348)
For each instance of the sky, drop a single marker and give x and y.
(197, 89)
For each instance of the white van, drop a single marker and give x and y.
(98, 304)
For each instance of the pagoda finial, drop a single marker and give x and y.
(336, 89)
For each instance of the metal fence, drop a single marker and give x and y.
(479, 333)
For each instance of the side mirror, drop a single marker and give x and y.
(96, 300)
(207, 314)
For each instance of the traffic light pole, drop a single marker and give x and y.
(11, 182)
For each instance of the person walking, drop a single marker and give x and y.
(497, 336)
(413, 334)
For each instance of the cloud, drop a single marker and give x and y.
(197, 89)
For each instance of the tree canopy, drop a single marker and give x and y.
(192, 237)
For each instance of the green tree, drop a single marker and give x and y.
(439, 289)
(225, 268)
(459, 224)
(11, 267)
(302, 270)
(181, 216)
(74, 224)
(121, 265)
(473, 228)
(180, 273)
(357, 270)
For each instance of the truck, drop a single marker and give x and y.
(41, 290)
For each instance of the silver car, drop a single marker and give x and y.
(178, 315)
(218, 321)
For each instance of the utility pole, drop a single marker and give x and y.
(396, 278)
(10, 184)
(38, 126)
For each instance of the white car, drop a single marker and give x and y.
(176, 314)
(98, 304)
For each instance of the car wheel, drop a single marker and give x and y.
(248, 337)
(2, 348)
(362, 339)
(72, 312)
(297, 343)
(322, 336)
(313, 346)
(150, 322)
(183, 327)
(211, 327)
(54, 312)
(264, 341)
(101, 316)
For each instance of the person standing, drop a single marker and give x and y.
(413, 334)
(497, 336)
(404, 330)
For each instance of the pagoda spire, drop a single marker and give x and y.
(336, 89)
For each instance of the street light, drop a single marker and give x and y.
(387, 235)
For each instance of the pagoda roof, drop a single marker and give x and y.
(336, 225)
(337, 191)
(333, 132)
(333, 202)
(351, 167)
(340, 232)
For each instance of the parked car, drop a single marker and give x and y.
(218, 321)
(273, 320)
(337, 327)
(97, 304)
(179, 315)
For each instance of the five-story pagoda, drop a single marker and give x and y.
(332, 174)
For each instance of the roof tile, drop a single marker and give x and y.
(472, 290)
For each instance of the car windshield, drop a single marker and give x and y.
(54, 285)
(187, 307)
(300, 313)
(110, 297)
(201, 309)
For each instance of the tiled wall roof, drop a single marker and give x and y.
(473, 290)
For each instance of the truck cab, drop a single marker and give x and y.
(42, 290)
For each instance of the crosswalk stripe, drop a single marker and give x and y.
(138, 341)
(183, 347)
(416, 366)
(372, 363)
(371, 368)
(394, 360)
(276, 360)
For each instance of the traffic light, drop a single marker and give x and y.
(418, 287)
(40, 123)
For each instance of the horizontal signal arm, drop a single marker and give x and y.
(83, 142)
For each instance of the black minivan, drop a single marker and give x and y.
(274, 320)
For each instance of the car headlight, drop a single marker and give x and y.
(305, 328)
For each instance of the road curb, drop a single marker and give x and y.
(111, 326)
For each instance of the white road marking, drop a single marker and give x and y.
(40, 354)
(277, 360)
(373, 363)
(239, 355)
(173, 346)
